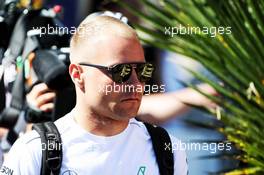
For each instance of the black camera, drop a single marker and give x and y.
(50, 65)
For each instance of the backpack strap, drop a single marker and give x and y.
(9, 116)
(163, 149)
(51, 148)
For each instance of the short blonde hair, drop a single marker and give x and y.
(92, 27)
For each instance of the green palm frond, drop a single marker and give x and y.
(235, 57)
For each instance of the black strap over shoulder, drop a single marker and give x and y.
(9, 116)
(51, 148)
(163, 149)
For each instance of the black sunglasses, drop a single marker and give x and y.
(120, 73)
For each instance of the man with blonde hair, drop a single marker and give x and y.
(100, 135)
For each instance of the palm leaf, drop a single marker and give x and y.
(236, 59)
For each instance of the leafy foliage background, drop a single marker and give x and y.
(236, 59)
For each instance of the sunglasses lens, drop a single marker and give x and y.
(145, 72)
(121, 73)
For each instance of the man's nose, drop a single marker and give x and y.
(133, 79)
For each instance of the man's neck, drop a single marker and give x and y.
(98, 124)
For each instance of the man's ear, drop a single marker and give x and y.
(75, 72)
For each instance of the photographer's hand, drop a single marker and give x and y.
(41, 97)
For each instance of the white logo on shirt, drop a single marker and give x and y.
(6, 170)
(141, 170)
